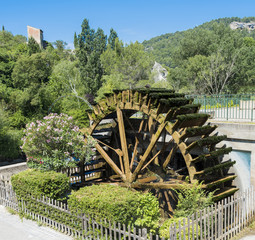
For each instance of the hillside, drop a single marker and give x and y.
(213, 58)
(164, 47)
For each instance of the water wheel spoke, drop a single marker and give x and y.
(170, 209)
(155, 156)
(152, 126)
(123, 142)
(110, 161)
(118, 151)
(170, 156)
(136, 144)
(154, 139)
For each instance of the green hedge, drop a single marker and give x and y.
(37, 183)
(117, 204)
(164, 229)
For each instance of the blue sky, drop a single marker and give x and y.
(133, 20)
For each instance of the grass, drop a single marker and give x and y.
(11, 211)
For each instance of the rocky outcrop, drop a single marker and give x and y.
(159, 73)
(242, 25)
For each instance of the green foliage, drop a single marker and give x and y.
(32, 187)
(28, 88)
(210, 58)
(116, 204)
(32, 70)
(91, 45)
(33, 46)
(37, 183)
(54, 142)
(60, 45)
(75, 41)
(9, 138)
(192, 199)
(131, 63)
(164, 230)
(112, 38)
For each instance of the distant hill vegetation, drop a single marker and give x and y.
(164, 47)
(211, 58)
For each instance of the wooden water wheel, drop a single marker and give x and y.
(155, 139)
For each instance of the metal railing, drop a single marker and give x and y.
(228, 107)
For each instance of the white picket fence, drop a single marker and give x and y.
(223, 220)
(220, 221)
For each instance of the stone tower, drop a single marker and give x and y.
(37, 34)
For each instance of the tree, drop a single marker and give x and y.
(75, 41)
(34, 69)
(91, 46)
(132, 63)
(33, 46)
(218, 73)
(9, 138)
(112, 38)
(6, 66)
(60, 45)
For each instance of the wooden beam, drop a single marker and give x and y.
(170, 209)
(147, 179)
(110, 162)
(136, 144)
(152, 126)
(155, 156)
(123, 142)
(159, 185)
(170, 156)
(118, 151)
(154, 140)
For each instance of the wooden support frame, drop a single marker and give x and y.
(110, 162)
(123, 143)
(154, 139)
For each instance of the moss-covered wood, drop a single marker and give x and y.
(175, 102)
(220, 181)
(216, 167)
(199, 131)
(166, 95)
(194, 116)
(224, 193)
(161, 113)
(212, 155)
(211, 140)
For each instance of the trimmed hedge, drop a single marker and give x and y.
(40, 183)
(117, 204)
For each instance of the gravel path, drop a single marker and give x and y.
(12, 228)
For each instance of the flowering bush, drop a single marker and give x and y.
(55, 143)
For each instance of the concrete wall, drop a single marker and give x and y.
(241, 137)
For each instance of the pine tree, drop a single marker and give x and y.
(112, 38)
(75, 41)
(91, 45)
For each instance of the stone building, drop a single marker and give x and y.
(37, 34)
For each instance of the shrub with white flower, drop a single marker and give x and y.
(55, 143)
